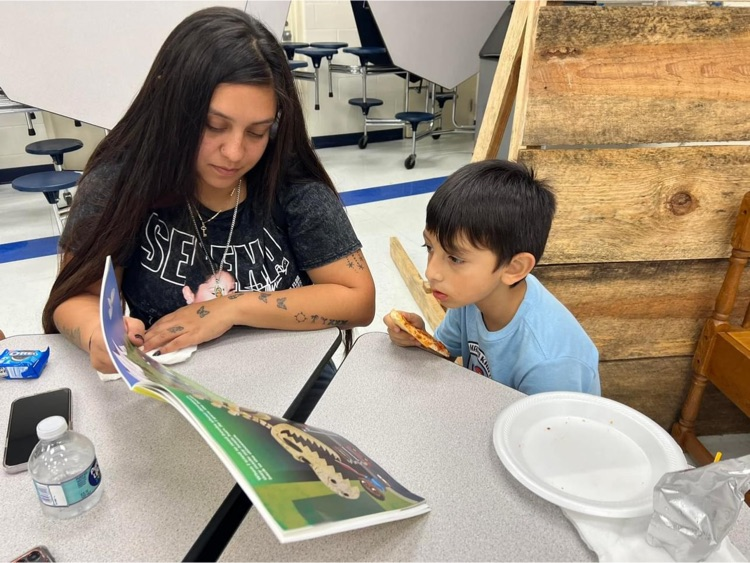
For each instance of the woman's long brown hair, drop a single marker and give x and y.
(155, 145)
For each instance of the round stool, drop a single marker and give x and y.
(366, 54)
(294, 65)
(55, 148)
(414, 118)
(365, 105)
(329, 45)
(50, 183)
(291, 46)
(442, 97)
(316, 55)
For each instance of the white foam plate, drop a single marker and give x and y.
(586, 453)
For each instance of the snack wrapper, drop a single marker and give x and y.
(23, 364)
(695, 509)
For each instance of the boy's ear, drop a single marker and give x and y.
(519, 267)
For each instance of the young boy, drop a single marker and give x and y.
(487, 227)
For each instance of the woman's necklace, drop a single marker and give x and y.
(218, 291)
(204, 230)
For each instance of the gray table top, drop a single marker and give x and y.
(429, 424)
(162, 483)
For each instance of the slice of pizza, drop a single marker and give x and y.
(425, 339)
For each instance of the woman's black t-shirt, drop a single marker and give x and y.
(169, 267)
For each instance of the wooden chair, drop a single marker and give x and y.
(722, 355)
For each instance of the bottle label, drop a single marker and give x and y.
(72, 491)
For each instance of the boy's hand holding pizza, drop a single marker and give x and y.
(407, 329)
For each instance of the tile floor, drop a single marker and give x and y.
(25, 284)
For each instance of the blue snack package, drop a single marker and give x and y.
(23, 364)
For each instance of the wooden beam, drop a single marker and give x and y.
(522, 90)
(432, 311)
(504, 86)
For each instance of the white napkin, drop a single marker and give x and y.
(108, 376)
(164, 359)
(174, 357)
(624, 539)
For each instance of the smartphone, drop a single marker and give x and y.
(38, 553)
(25, 414)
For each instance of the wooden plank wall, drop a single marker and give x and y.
(639, 245)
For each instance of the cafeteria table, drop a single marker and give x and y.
(162, 482)
(429, 423)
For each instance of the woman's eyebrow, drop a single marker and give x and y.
(224, 116)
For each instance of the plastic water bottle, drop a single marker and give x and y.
(64, 470)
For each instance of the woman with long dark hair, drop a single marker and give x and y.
(212, 203)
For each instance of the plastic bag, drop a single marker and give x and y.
(695, 509)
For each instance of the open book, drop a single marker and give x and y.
(304, 481)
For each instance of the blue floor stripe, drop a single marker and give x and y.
(369, 195)
(26, 249)
(37, 248)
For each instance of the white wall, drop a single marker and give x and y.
(14, 137)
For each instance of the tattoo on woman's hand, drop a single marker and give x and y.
(202, 312)
(175, 329)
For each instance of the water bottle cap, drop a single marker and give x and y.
(51, 428)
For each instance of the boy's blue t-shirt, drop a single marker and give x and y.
(543, 348)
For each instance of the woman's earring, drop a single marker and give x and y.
(274, 130)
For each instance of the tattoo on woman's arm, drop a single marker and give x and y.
(264, 296)
(318, 319)
(233, 295)
(356, 261)
(202, 312)
(281, 302)
(332, 322)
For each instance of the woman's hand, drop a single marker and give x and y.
(98, 354)
(189, 325)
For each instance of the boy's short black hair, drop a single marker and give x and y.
(495, 204)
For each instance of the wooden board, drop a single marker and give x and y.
(657, 388)
(504, 85)
(642, 310)
(431, 310)
(522, 90)
(622, 205)
(632, 74)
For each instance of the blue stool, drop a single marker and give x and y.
(329, 45)
(365, 104)
(414, 118)
(366, 54)
(295, 65)
(291, 46)
(55, 148)
(367, 66)
(50, 184)
(316, 55)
